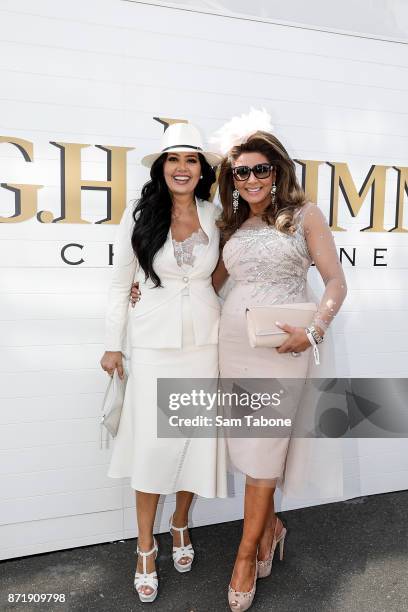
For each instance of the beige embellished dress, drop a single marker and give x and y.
(269, 267)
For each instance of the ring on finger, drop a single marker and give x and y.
(295, 354)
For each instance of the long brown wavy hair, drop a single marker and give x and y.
(289, 195)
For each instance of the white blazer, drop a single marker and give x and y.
(156, 320)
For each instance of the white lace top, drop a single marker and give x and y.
(187, 250)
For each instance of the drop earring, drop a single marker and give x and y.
(273, 193)
(235, 199)
(201, 176)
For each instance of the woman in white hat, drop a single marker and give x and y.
(169, 244)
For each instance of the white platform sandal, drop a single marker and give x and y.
(181, 551)
(145, 579)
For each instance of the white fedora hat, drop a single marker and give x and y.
(182, 138)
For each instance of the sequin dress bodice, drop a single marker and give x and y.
(266, 265)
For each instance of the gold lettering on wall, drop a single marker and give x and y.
(25, 196)
(166, 121)
(72, 184)
(402, 189)
(25, 147)
(374, 181)
(310, 177)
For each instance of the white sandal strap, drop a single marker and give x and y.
(179, 529)
(144, 556)
(142, 553)
(149, 580)
(183, 551)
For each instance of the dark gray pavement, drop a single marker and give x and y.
(350, 556)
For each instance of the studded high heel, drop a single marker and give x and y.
(180, 552)
(265, 567)
(144, 579)
(240, 601)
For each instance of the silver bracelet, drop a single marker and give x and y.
(316, 336)
(313, 343)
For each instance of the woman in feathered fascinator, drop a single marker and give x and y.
(271, 236)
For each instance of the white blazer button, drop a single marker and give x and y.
(185, 279)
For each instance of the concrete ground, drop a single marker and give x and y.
(350, 556)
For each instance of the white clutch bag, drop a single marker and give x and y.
(113, 402)
(261, 327)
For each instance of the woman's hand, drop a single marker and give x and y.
(111, 361)
(297, 341)
(135, 294)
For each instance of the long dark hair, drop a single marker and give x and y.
(289, 195)
(152, 213)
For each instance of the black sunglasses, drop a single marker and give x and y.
(261, 171)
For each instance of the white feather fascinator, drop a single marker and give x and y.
(237, 131)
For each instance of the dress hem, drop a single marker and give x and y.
(206, 495)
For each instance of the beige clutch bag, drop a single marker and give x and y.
(112, 404)
(262, 330)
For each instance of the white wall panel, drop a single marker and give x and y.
(57, 456)
(382, 18)
(97, 72)
(28, 538)
(48, 332)
(47, 408)
(48, 482)
(43, 507)
(50, 383)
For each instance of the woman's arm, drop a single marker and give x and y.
(323, 251)
(124, 268)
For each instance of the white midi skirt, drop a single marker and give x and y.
(167, 465)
